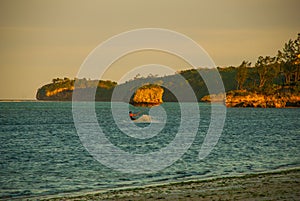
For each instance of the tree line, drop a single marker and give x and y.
(271, 73)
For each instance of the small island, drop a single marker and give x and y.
(62, 89)
(148, 95)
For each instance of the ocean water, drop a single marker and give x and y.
(41, 153)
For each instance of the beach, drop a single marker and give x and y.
(277, 185)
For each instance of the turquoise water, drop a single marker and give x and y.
(41, 153)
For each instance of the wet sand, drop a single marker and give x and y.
(280, 185)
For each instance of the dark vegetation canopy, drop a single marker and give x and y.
(269, 75)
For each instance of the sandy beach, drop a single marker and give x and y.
(278, 185)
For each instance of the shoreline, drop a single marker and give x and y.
(140, 105)
(18, 100)
(271, 185)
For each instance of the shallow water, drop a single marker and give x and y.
(41, 153)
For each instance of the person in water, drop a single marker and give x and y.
(132, 115)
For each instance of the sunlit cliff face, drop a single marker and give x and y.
(149, 95)
(260, 100)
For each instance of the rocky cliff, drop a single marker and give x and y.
(243, 98)
(148, 95)
(248, 99)
(214, 98)
(58, 94)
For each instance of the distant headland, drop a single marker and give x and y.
(270, 82)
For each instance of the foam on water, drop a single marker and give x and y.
(143, 119)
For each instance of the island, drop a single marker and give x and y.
(273, 81)
(62, 89)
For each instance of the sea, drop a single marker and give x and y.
(43, 155)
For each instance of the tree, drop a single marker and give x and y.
(267, 69)
(242, 73)
(289, 59)
(137, 76)
(55, 80)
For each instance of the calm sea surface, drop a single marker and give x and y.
(41, 153)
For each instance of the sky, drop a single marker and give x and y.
(42, 40)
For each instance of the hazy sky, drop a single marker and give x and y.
(45, 39)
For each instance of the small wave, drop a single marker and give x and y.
(143, 119)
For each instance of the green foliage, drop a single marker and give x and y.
(61, 89)
(271, 73)
(228, 74)
(150, 86)
(289, 59)
(169, 83)
(267, 69)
